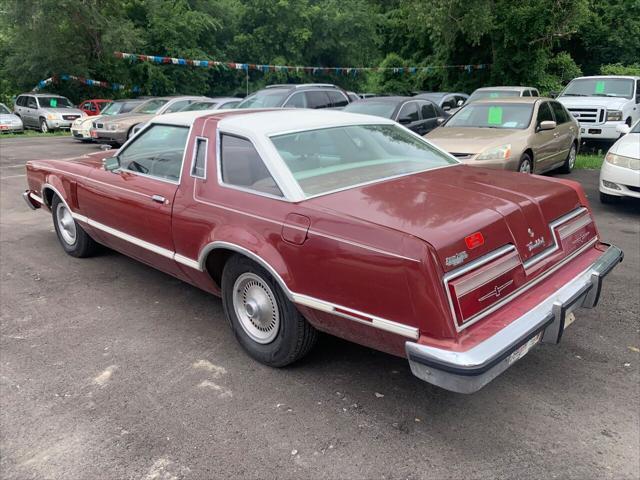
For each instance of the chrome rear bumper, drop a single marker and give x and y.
(469, 371)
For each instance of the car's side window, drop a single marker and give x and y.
(544, 113)
(31, 102)
(338, 99)
(428, 111)
(241, 166)
(199, 162)
(317, 99)
(156, 152)
(526, 93)
(535, 93)
(20, 101)
(409, 112)
(177, 106)
(450, 103)
(637, 91)
(559, 112)
(297, 100)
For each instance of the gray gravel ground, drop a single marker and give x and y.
(110, 369)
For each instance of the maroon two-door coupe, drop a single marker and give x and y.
(348, 224)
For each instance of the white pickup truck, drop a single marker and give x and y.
(601, 103)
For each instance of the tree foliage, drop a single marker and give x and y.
(542, 43)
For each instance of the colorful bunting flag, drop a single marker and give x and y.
(293, 68)
(85, 81)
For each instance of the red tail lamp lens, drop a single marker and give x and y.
(474, 240)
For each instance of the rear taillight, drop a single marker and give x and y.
(575, 232)
(475, 288)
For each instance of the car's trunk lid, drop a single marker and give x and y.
(446, 205)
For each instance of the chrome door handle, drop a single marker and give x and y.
(158, 199)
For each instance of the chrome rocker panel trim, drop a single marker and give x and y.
(468, 372)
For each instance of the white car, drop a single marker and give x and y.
(620, 172)
(601, 103)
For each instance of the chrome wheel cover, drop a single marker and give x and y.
(525, 167)
(44, 128)
(572, 157)
(66, 224)
(256, 308)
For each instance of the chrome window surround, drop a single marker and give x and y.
(197, 142)
(527, 265)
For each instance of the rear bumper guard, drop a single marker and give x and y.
(469, 371)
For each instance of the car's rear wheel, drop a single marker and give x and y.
(44, 128)
(263, 319)
(72, 237)
(606, 198)
(570, 161)
(526, 164)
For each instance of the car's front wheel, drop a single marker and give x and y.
(72, 237)
(526, 164)
(263, 319)
(44, 128)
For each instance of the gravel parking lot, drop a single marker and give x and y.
(110, 369)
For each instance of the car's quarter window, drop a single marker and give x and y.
(317, 99)
(337, 99)
(544, 113)
(199, 162)
(428, 111)
(336, 158)
(156, 152)
(241, 166)
(526, 93)
(559, 112)
(534, 93)
(409, 112)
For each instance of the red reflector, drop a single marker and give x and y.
(474, 240)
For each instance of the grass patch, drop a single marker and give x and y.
(589, 161)
(36, 133)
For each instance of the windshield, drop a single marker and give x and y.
(492, 115)
(600, 87)
(271, 97)
(150, 106)
(199, 106)
(379, 109)
(54, 102)
(3, 109)
(482, 94)
(335, 158)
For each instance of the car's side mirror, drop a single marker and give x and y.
(111, 164)
(623, 128)
(553, 94)
(440, 120)
(547, 125)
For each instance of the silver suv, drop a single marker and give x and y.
(46, 111)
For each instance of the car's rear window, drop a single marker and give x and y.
(270, 97)
(336, 158)
(484, 94)
(492, 115)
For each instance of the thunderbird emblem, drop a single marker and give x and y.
(530, 232)
(496, 292)
(456, 259)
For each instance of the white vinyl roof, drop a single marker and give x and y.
(270, 122)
